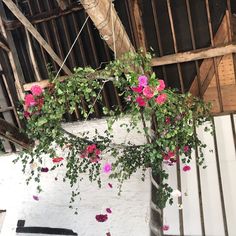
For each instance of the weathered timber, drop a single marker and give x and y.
(63, 4)
(13, 8)
(195, 55)
(13, 134)
(106, 20)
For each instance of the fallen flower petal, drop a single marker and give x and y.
(165, 227)
(44, 169)
(108, 234)
(107, 168)
(36, 198)
(101, 218)
(186, 168)
(108, 210)
(57, 159)
(110, 185)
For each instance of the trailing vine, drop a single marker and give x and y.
(168, 121)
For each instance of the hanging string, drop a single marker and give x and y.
(71, 48)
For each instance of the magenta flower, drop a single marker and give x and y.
(107, 168)
(186, 168)
(165, 227)
(36, 198)
(171, 154)
(101, 218)
(161, 98)
(110, 185)
(29, 100)
(148, 92)
(44, 169)
(36, 90)
(141, 102)
(161, 85)
(137, 89)
(143, 80)
(186, 148)
(26, 114)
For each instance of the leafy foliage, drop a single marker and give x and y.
(168, 117)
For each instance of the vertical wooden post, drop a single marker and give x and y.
(106, 20)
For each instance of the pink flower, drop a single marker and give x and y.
(161, 98)
(108, 210)
(97, 152)
(141, 102)
(161, 85)
(110, 185)
(91, 148)
(186, 168)
(29, 100)
(143, 80)
(57, 159)
(36, 90)
(186, 148)
(83, 155)
(137, 89)
(107, 168)
(148, 92)
(165, 227)
(101, 218)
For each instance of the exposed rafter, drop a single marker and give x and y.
(63, 4)
(14, 9)
(106, 20)
(13, 134)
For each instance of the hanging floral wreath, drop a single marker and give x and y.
(169, 120)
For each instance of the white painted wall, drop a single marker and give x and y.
(131, 210)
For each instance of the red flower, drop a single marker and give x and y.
(170, 154)
(161, 85)
(141, 102)
(27, 114)
(186, 168)
(168, 120)
(148, 92)
(91, 148)
(57, 159)
(36, 90)
(101, 218)
(137, 89)
(161, 98)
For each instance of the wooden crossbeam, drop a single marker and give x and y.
(13, 134)
(14, 9)
(195, 55)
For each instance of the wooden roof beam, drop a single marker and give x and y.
(13, 134)
(106, 20)
(195, 55)
(19, 15)
(63, 4)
